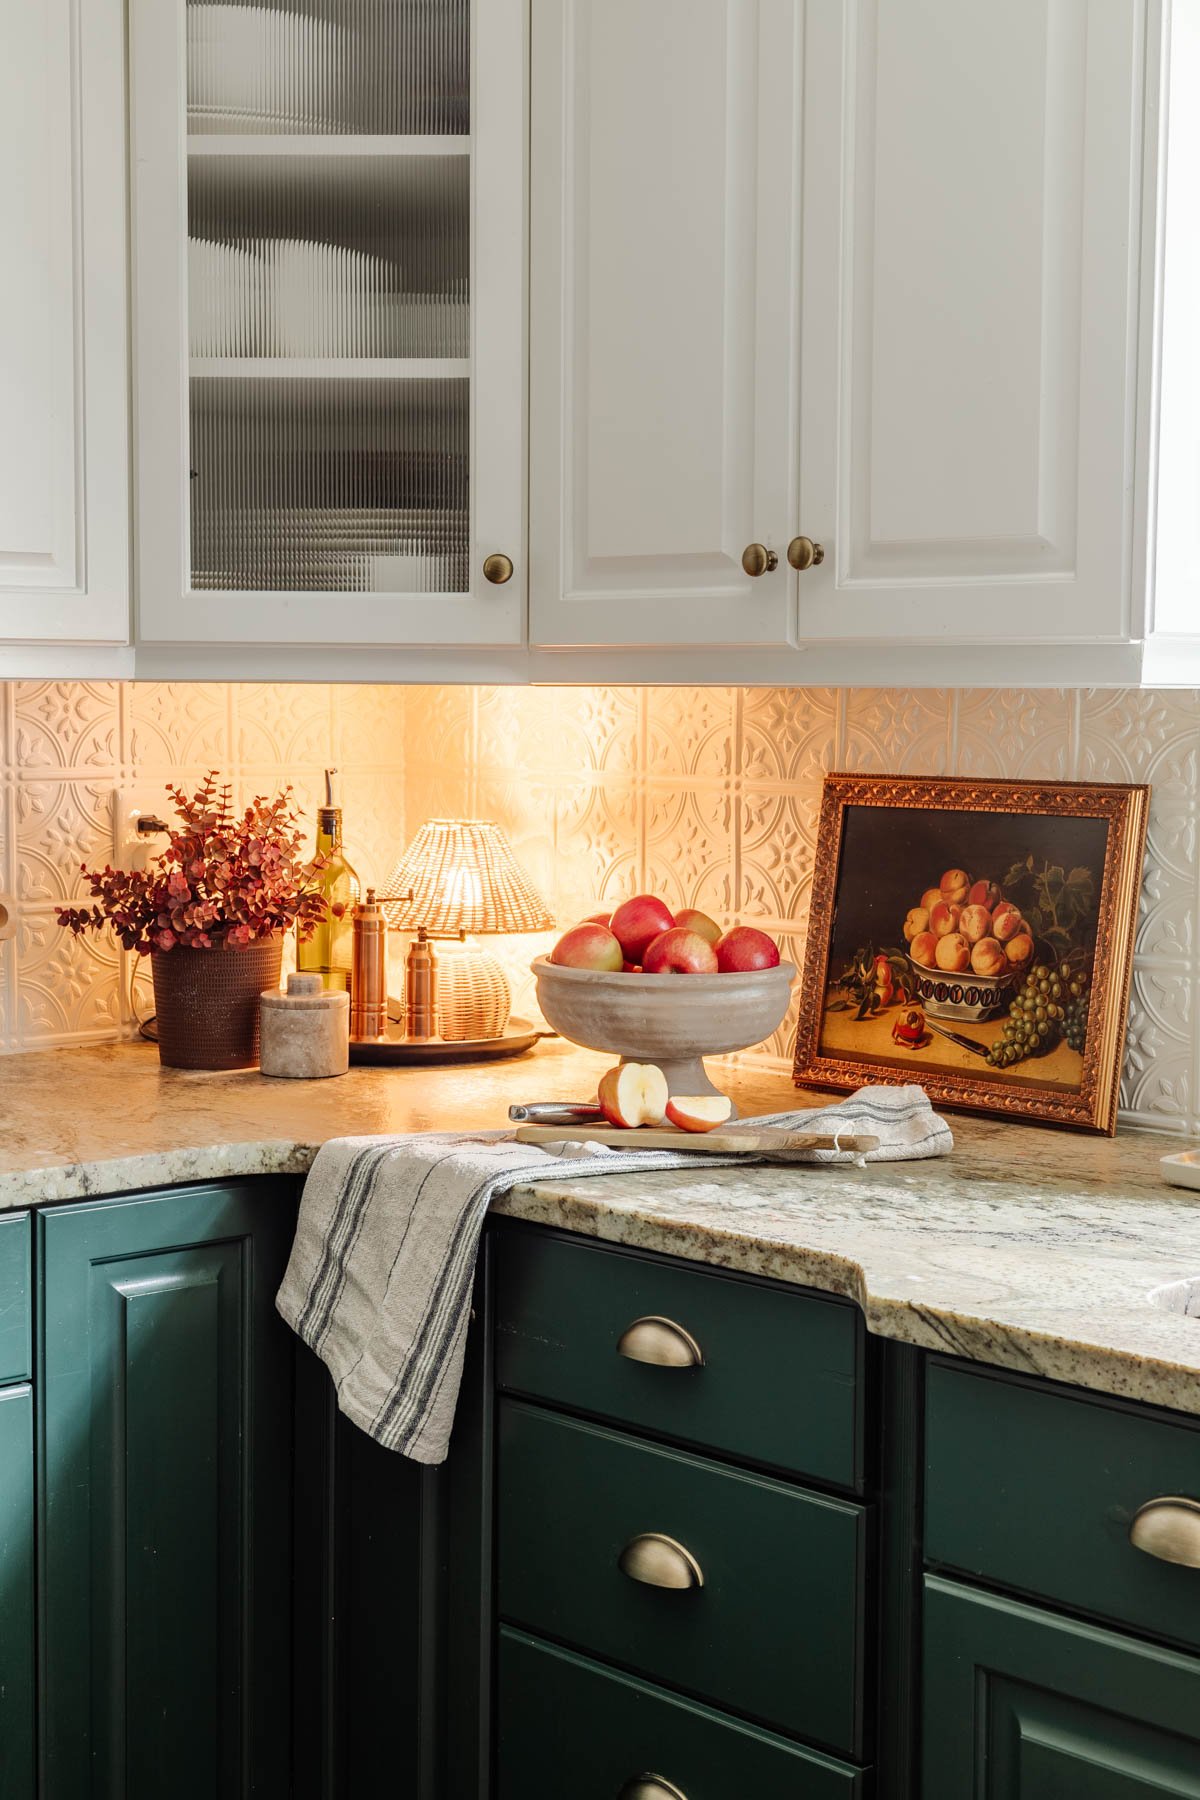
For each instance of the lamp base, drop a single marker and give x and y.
(395, 1050)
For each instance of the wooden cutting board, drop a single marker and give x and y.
(744, 1141)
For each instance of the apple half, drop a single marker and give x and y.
(633, 1094)
(699, 1112)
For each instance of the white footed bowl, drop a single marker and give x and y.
(672, 1020)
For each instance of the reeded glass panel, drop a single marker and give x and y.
(374, 67)
(303, 486)
(303, 255)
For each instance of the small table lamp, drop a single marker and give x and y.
(462, 880)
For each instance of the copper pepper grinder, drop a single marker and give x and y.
(420, 988)
(368, 988)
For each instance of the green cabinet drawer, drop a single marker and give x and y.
(567, 1727)
(16, 1594)
(780, 1378)
(1035, 1489)
(1020, 1705)
(775, 1631)
(16, 1359)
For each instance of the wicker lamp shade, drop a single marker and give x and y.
(462, 876)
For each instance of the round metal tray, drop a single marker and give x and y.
(519, 1035)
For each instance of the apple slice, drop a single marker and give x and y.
(699, 1112)
(633, 1094)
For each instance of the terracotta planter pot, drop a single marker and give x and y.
(207, 1003)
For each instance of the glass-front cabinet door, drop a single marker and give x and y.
(329, 320)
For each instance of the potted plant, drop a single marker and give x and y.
(210, 913)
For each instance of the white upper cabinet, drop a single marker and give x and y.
(972, 253)
(329, 321)
(64, 439)
(664, 222)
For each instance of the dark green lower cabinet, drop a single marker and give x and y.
(166, 1436)
(1022, 1705)
(567, 1727)
(16, 1594)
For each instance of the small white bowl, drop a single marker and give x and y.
(1182, 1168)
(672, 1020)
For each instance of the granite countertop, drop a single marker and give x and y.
(1026, 1248)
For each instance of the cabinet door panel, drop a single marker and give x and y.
(166, 1550)
(1020, 1705)
(16, 1594)
(664, 215)
(64, 501)
(972, 191)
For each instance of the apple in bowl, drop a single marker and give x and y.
(637, 922)
(680, 952)
(588, 946)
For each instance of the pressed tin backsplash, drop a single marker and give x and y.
(707, 795)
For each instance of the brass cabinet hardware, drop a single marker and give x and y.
(660, 1341)
(1168, 1528)
(658, 1561)
(758, 560)
(651, 1787)
(804, 554)
(497, 568)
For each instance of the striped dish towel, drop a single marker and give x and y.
(379, 1281)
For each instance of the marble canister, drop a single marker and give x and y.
(306, 1031)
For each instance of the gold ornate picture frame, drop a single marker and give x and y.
(976, 938)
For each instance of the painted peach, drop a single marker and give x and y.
(953, 953)
(930, 898)
(916, 920)
(1007, 923)
(975, 923)
(988, 957)
(944, 918)
(956, 885)
(1020, 949)
(923, 950)
(984, 893)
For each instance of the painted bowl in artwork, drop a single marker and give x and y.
(965, 995)
(672, 1020)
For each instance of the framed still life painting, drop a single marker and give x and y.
(974, 937)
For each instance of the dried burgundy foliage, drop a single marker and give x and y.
(221, 880)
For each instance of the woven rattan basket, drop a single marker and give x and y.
(206, 1003)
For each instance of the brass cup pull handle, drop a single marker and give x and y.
(804, 554)
(1168, 1528)
(497, 568)
(659, 1561)
(650, 1787)
(660, 1341)
(758, 560)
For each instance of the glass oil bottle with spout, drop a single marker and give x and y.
(329, 952)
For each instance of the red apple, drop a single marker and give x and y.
(680, 952)
(745, 947)
(638, 922)
(698, 1112)
(700, 923)
(587, 946)
(633, 1094)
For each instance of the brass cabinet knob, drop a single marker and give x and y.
(758, 560)
(497, 568)
(804, 554)
(1168, 1528)
(651, 1787)
(658, 1561)
(660, 1341)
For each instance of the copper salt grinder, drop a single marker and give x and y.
(420, 988)
(369, 986)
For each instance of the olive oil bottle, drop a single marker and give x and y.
(329, 952)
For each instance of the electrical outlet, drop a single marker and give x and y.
(132, 849)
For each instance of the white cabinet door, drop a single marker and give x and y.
(664, 224)
(972, 241)
(329, 322)
(64, 445)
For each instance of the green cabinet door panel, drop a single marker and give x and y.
(568, 1729)
(1034, 1488)
(1022, 1705)
(781, 1380)
(16, 1594)
(775, 1632)
(16, 1348)
(166, 1419)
